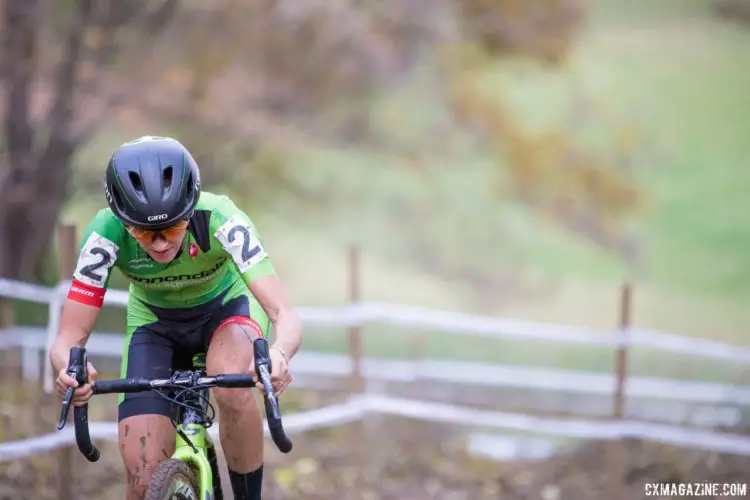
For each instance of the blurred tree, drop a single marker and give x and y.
(290, 63)
(44, 121)
(253, 68)
(241, 81)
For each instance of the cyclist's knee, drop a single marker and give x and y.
(231, 351)
(234, 400)
(145, 440)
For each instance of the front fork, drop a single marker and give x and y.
(204, 462)
(196, 448)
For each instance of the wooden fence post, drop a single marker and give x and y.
(617, 455)
(621, 360)
(7, 313)
(11, 370)
(67, 245)
(357, 381)
(11, 356)
(355, 331)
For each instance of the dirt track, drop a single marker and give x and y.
(402, 460)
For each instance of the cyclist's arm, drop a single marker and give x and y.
(76, 324)
(237, 234)
(90, 279)
(274, 300)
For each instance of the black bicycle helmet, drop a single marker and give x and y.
(152, 183)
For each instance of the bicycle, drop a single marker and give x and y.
(191, 473)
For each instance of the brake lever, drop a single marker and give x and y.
(65, 408)
(263, 365)
(77, 370)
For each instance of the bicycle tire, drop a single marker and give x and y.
(172, 480)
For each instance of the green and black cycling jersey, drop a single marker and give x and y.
(222, 253)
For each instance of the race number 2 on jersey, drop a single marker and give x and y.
(240, 241)
(97, 257)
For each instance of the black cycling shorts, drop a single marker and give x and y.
(156, 349)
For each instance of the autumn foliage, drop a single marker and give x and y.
(242, 80)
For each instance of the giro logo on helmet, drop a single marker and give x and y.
(152, 218)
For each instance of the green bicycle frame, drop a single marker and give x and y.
(193, 427)
(184, 452)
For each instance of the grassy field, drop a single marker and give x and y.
(679, 77)
(674, 72)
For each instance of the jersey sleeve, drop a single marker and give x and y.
(99, 248)
(239, 238)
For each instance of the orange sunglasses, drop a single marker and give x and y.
(168, 233)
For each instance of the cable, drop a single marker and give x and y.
(196, 403)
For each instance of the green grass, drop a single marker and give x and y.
(693, 101)
(677, 77)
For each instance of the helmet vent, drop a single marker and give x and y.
(135, 180)
(190, 188)
(118, 200)
(167, 180)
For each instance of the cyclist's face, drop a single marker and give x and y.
(163, 245)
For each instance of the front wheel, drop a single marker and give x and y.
(172, 480)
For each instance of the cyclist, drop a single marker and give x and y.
(200, 281)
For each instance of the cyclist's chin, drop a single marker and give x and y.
(164, 257)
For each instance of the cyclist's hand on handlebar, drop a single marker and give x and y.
(81, 394)
(280, 376)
